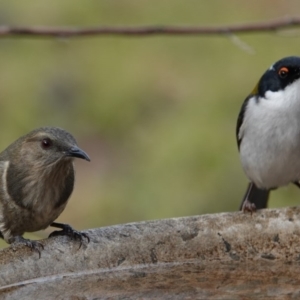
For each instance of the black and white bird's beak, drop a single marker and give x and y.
(77, 152)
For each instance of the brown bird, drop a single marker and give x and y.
(36, 181)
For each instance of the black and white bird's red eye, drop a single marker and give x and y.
(283, 72)
(46, 143)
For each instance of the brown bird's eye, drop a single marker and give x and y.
(46, 143)
(283, 72)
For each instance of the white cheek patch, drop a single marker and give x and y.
(287, 99)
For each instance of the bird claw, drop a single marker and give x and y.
(248, 207)
(33, 245)
(72, 233)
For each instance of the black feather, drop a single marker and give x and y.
(241, 119)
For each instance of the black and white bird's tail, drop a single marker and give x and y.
(256, 196)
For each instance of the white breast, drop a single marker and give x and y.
(270, 147)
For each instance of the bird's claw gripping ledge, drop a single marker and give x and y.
(70, 232)
(33, 245)
(248, 207)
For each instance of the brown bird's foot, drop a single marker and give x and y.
(69, 231)
(248, 207)
(33, 245)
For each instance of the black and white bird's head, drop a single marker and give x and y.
(277, 90)
(282, 77)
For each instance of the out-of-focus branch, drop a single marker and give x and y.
(274, 25)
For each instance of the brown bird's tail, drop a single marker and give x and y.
(256, 196)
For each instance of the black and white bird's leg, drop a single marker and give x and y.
(255, 198)
(246, 205)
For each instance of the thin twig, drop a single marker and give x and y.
(274, 25)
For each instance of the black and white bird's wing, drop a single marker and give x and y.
(255, 195)
(240, 121)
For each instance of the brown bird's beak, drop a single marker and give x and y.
(77, 152)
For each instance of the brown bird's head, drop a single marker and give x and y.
(46, 146)
(38, 174)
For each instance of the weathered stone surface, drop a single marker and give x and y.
(220, 256)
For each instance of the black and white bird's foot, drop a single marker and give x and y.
(248, 207)
(33, 245)
(70, 232)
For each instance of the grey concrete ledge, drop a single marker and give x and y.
(219, 256)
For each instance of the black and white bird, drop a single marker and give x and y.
(268, 133)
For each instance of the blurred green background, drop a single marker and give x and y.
(157, 115)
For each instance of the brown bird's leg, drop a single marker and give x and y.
(19, 240)
(69, 231)
(33, 245)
